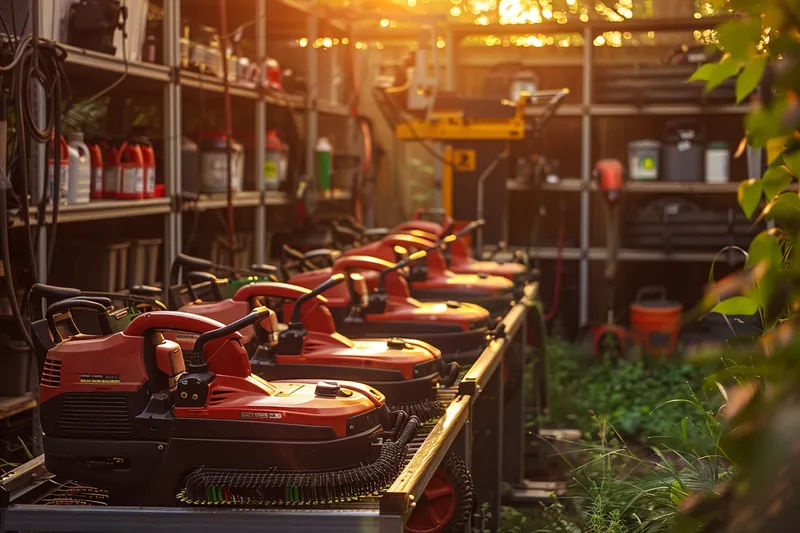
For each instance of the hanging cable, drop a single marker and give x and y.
(223, 45)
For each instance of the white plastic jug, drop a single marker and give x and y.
(80, 170)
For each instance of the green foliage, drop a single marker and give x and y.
(631, 395)
(627, 490)
(760, 434)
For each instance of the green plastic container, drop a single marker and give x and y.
(324, 153)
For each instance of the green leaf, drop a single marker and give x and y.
(765, 248)
(727, 68)
(748, 80)
(775, 181)
(793, 161)
(738, 305)
(749, 195)
(740, 37)
(783, 208)
(704, 73)
(765, 124)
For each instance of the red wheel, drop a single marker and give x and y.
(446, 503)
(436, 507)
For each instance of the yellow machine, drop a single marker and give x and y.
(485, 142)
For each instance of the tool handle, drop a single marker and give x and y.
(43, 295)
(327, 254)
(285, 291)
(185, 262)
(75, 303)
(264, 269)
(256, 315)
(146, 290)
(203, 277)
(413, 258)
(319, 289)
(172, 321)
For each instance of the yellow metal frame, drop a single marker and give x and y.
(451, 126)
(447, 180)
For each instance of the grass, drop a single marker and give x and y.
(650, 438)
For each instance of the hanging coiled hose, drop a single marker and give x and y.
(31, 61)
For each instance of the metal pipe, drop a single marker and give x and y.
(260, 138)
(586, 176)
(312, 90)
(451, 46)
(172, 138)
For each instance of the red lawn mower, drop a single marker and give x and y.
(431, 280)
(408, 372)
(135, 414)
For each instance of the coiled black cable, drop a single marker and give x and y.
(32, 60)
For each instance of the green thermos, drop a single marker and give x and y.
(324, 150)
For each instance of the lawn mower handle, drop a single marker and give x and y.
(202, 277)
(256, 315)
(272, 290)
(75, 303)
(316, 291)
(413, 258)
(187, 262)
(45, 294)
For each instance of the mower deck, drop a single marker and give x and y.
(33, 499)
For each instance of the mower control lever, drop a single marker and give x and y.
(186, 263)
(42, 295)
(75, 303)
(413, 258)
(202, 277)
(322, 253)
(296, 320)
(256, 315)
(146, 290)
(268, 270)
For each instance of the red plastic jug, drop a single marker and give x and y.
(96, 157)
(149, 158)
(132, 169)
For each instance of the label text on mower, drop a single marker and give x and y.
(100, 378)
(260, 415)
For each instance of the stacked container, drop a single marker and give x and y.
(80, 170)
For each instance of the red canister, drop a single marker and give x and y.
(149, 160)
(96, 158)
(132, 171)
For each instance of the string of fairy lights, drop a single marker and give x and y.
(490, 13)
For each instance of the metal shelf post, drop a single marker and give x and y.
(312, 88)
(586, 176)
(260, 138)
(172, 135)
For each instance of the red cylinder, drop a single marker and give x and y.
(132, 169)
(149, 159)
(96, 158)
(657, 321)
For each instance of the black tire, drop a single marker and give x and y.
(455, 471)
(513, 371)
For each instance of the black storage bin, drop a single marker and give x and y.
(677, 224)
(683, 150)
(659, 84)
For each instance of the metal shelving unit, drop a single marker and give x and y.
(649, 187)
(173, 81)
(587, 110)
